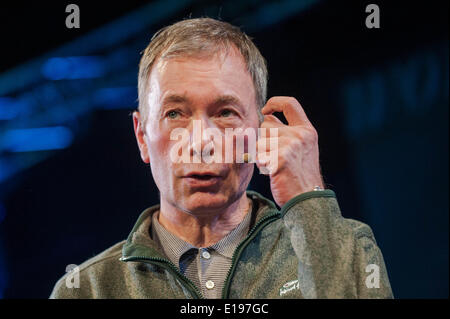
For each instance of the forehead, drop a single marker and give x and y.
(203, 76)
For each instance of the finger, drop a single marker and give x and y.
(266, 163)
(267, 144)
(270, 128)
(272, 119)
(262, 163)
(291, 108)
(271, 124)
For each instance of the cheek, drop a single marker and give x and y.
(157, 137)
(158, 149)
(160, 164)
(242, 173)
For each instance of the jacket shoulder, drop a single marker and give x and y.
(104, 256)
(66, 287)
(359, 229)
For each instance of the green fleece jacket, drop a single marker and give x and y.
(305, 250)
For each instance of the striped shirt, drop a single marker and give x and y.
(206, 267)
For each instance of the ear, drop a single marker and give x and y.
(139, 131)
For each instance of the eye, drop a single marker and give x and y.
(226, 113)
(172, 114)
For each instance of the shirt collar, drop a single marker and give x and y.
(175, 247)
(139, 242)
(172, 246)
(227, 245)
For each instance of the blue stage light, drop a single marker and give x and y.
(113, 98)
(10, 108)
(80, 67)
(36, 139)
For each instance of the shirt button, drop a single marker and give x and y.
(206, 254)
(210, 284)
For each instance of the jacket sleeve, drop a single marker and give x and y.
(337, 257)
(370, 270)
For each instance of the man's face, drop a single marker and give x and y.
(218, 92)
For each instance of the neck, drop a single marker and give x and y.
(203, 231)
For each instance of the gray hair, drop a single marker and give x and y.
(195, 37)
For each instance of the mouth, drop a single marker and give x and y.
(202, 179)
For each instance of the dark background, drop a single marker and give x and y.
(377, 97)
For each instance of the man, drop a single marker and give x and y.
(209, 237)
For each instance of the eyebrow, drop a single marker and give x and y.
(175, 98)
(219, 101)
(227, 99)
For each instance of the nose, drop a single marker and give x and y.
(202, 139)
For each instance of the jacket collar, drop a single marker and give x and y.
(140, 244)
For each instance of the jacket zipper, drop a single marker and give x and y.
(161, 262)
(190, 285)
(237, 252)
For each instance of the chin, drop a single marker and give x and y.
(204, 202)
